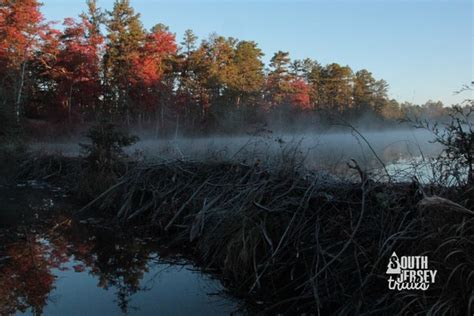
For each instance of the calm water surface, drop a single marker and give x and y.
(58, 266)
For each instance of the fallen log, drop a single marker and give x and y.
(437, 204)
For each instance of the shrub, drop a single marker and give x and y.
(104, 158)
(457, 138)
(106, 148)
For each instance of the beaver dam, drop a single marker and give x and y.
(243, 237)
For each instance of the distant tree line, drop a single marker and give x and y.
(105, 63)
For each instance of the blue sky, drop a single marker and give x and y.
(424, 49)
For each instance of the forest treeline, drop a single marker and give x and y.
(106, 64)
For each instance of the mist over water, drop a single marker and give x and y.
(319, 150)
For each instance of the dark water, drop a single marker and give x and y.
(53, 265)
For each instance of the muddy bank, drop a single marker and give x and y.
(287, 241)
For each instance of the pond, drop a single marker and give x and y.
(53, 265)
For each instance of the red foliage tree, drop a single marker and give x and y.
(158, 46)
(150, 66)
(300, 94)
(78, 65)
(21, 27)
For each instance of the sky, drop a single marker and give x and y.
(423, 49)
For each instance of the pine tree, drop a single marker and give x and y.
(189, 42)
(125, 38)
(248, 79)
(336, 88)
(95, 17)
(311, 71)
(279, 79)
(363, 91)
(188, 96)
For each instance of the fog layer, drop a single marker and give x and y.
(319, 150)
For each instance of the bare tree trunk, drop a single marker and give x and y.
(70, 106)
(157, 124)
(140, 121)
(126, 104)
(162, 114)
(470, 176)
(177, 127)
(20, 91)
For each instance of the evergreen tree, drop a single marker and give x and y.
(279, 78)
(380, 92)
(364, 98)
(189, 42)
(248, 77)
(312, 72)
(336, 89)
(95, 17)
(124, 40)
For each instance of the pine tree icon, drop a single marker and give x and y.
(393, 266)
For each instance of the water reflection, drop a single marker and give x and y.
(26, 278)
(71, 268)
